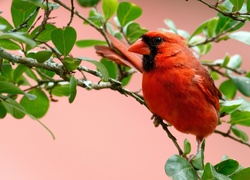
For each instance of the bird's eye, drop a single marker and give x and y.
(157, 40)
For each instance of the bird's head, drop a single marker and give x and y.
(155, 43)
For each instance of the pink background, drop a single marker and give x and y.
(105, 135)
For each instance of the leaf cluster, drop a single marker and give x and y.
(45, 69)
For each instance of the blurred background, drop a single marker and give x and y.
(103, 134)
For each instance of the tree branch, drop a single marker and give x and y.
(231, 137)
(232, 15)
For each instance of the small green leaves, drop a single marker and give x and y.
(38, 107)
(89, 42)
(10, 88)
(134, 31)
(227, 167)
(187, 147)
(61, 89)
(19, 37)
(248, 6)
(228, 89)
(240, 117)
(229, 106)
(242, 84)
(128, 12)
(242, 174)
(14, 108)
(88, 3)
(242, 36)
(43, 56)
(73, 85)
(20, 11)
(109, 8)
(237, 4)
(71, 63)
(179, 168)
(64, 39)
(210, 173)
(45, 35)
(3, 111)
(99, 66)
(239, 133)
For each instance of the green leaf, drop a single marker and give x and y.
(226, 23)
(242, 84)
(227, 167)
(211, 27)
(239, 133)
(179, 168)
(242, 36)
(8, 26)
(8, 44)
(73, 90)
(245, 105)
(187, 147)
(214, 75)
(171, 25)
(71, 64)
(126, 80)
(240, 117)
(31, 74)
(111, 67)
(89, 42)
(44, 35)
(6, 71)
(134, 32)
(15, 109)
(44, 73)
(109, 8)
(99, 66)
(128, 12)
(61, 89)
(64, 39)
(242, 174)
(43, 5)
(20, 11)
(3, 111)
(248, 6)
(228, 89)
(210, 173)
(38, 107)
(234, 62)
(19, 37)
(18, 73)
(198, 160)
(204, 49)
(42, 56)
(226, 60)
(229, 106)
(95, 17)
(10, 88)
(237, 4)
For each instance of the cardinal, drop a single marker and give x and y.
(175, 85)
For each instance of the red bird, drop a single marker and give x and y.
(175, 85)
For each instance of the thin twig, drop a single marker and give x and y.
(232, 15)
(44, 21)
(231, 137)
(25, 22)
(170, 135)
(72, 13)
(216, 38)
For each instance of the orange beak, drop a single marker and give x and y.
(139, 47)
